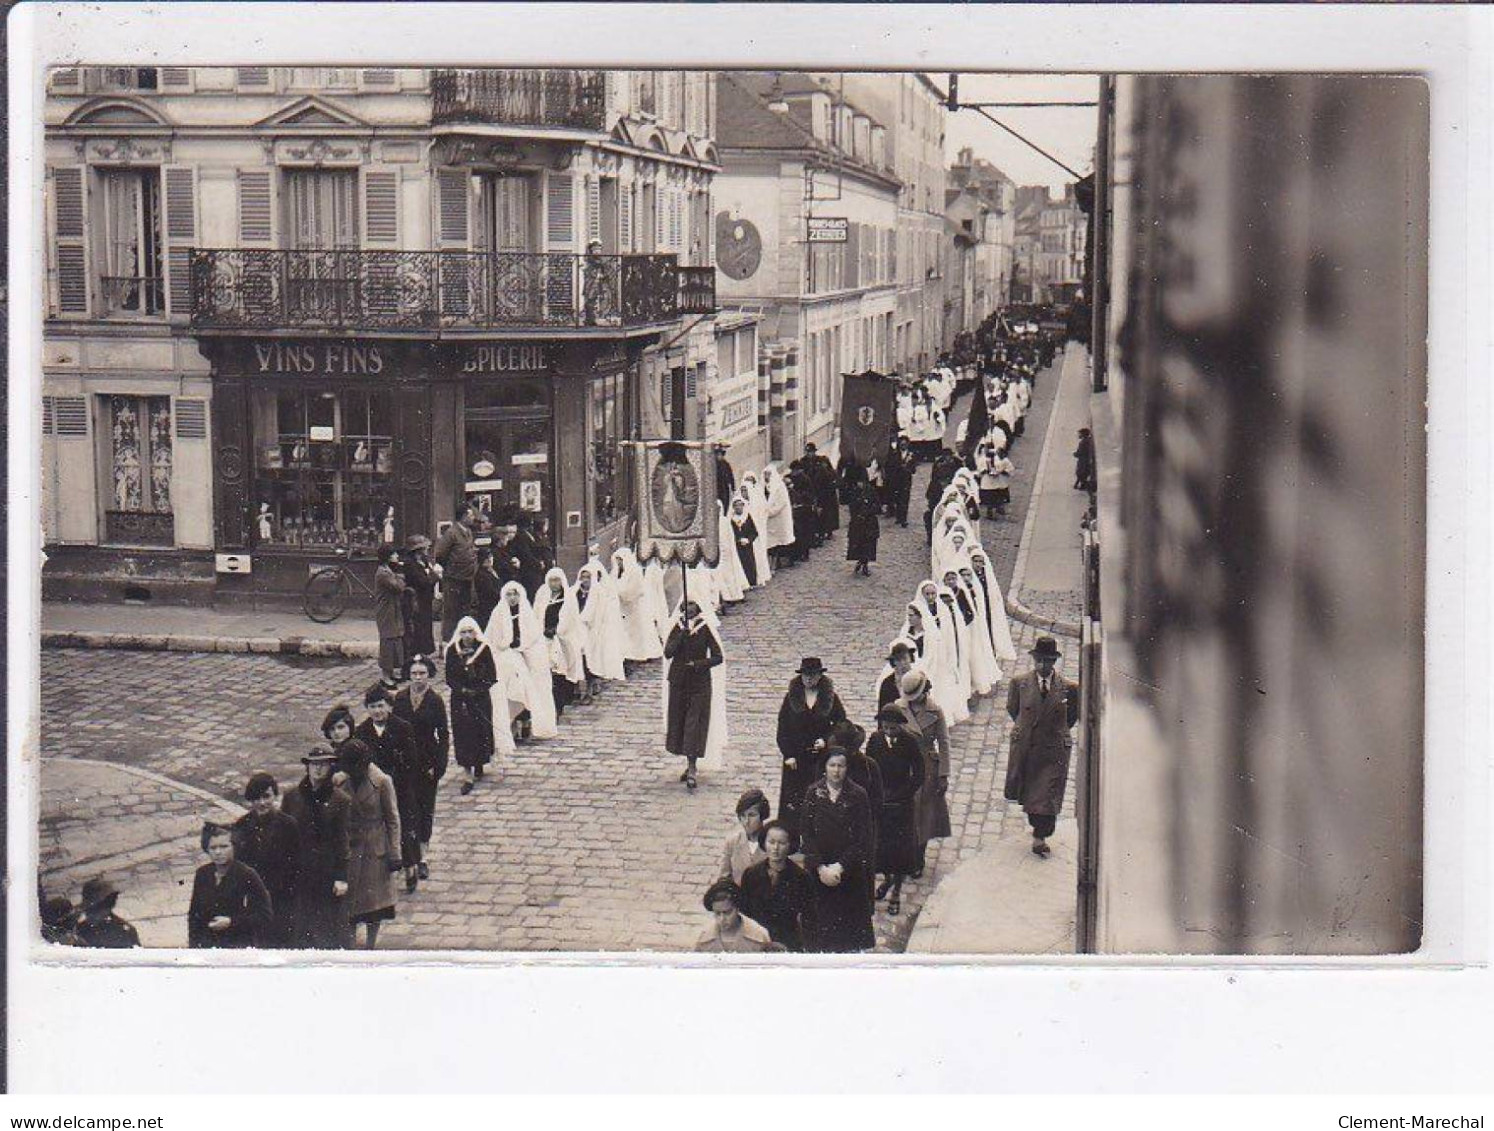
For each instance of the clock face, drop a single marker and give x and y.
(739, 247)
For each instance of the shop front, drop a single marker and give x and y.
(325, 449)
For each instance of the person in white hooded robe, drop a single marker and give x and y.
(601, 624)
(514, 623)
(941, 653)
(656, 598)
(984, 672)
(1002, 644)
(641, 641)
(560, 623)
(780, 513)
(951, 608)
(757, 506)
(731, 579)
(504, 633)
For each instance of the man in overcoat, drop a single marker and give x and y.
(1044, 707)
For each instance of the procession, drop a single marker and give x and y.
(486, 649)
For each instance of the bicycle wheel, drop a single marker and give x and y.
(326, 595)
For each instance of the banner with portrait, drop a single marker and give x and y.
(868, 416)
(674, 488)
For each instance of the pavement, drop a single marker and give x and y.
(583, 843)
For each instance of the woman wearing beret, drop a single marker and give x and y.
(320, 809)
(269, 841)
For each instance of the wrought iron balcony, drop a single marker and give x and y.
(245, 288)
(570, 99)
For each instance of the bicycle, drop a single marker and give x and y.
(325, 597)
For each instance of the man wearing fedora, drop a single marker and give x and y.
(99, 926)
(810, 710)
(1043, 706)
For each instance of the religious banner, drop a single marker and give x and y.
(674, 486)
(868, 415)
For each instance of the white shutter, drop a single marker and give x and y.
(593, 210)
(625, 221)
(70, 237)
(661, 218)
(70, 416)
(256, 208)
(252, 78)
(180, 193)
(560, 211)
(676, 226)
(381, 206)
(191, 418)
(380, 78)
(176, 78)
(66, 80)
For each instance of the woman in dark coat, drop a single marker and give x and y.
(487, 587)
(374, 852)
(744, 531)
(421, 708)
(690, 653)
(808, 714)
(776, 892)
(320, 810)
(420, 598)
(230, 906)
(392, 744)
(807, 533)
(838, 858)
(896, 753)
(863, 532)
(268, 841)
(470, 673)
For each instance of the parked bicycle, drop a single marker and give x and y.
(328, 589)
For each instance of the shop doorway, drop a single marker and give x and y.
(507, 461)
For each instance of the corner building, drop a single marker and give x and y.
(296, 308)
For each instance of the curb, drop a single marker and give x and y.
(283, 646)
(1014, 606)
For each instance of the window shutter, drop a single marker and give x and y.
(380, 78)
(625, 222)
(593, 210)
(46, 416)
(252, 78)
(560, 211)
(191, 418)
(710, 227)
(256, 208)
(70, 416)
(381, 206)
(661, 218)
(181, 234)
(66, 80)
(176, 78)
(453, 193)
(70, 237)
(853, 254)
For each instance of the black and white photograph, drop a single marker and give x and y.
(749, 510)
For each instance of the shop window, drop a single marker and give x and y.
(138, 511)
(606, 437)
(323, 463)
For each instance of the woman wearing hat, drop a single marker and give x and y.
(744, 847)
(809, 712)
(931, 806)
(320, 810)
(97, 924)
(374, 850)
(230, 907)
(420, 597)
(895, 750)
(269, 841)
(1043, 707)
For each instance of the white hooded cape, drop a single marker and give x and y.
(535, 650)
(566, 647)
(640, 632)
(601, 624)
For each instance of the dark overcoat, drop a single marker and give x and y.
(240, 896)
(1038, 764)
(420, 605)
(321, 816)
(691, 656)
(271, 845)
(839, 831)
(784, 907)
(862, 533)
(799, 727)
(394, 753)
(432, 735)
(901, 762)
(469, 679)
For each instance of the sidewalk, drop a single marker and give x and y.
(179, 629)
(1003, 899)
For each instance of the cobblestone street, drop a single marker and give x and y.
(585, 842)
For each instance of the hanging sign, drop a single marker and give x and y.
(674, 488)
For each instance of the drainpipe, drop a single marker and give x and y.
(1099, 299)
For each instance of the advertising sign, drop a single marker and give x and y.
(828, 229)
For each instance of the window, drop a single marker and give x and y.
(337, 78)
(606, 425)
(129, 78)
(138, 510)
(132, 277)
(322, 467)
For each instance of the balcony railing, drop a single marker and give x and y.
(570, 99)
(245, 288)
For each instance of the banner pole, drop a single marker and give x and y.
(684, 586)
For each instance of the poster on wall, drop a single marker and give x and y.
(675, 499)
(530, 498)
